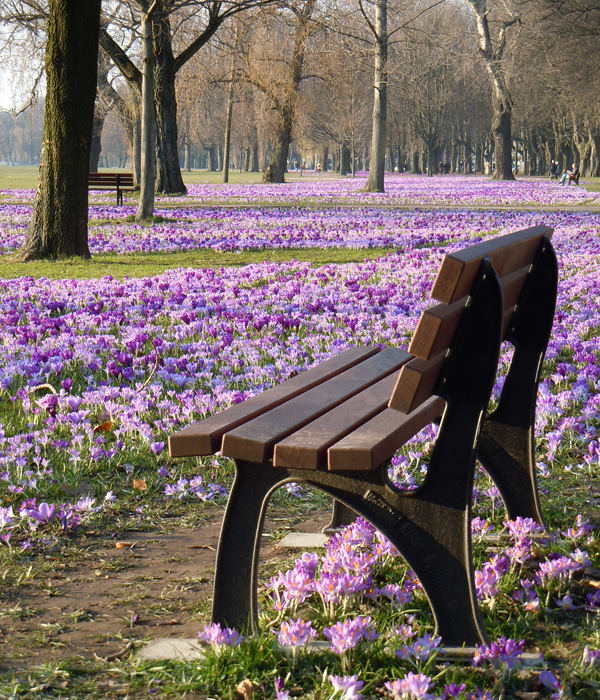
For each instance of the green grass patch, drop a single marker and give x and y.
(25, 177)
(148, 265)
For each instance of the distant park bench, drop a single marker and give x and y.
(336, 426)
(111, 181)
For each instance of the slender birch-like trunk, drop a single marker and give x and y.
(148, 140)
(378, 139)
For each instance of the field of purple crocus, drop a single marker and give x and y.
(95, 375)
(401, 190)
(258, 228)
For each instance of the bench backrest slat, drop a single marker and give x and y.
(437, 324)
(506, 253)
(512, 256)
(110, 179)
(416, 382)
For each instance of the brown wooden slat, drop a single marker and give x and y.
(254, 441)
(204, 437)
(415, 383)
(437, 325)
(377, 440)
(507, 253)
(307, 447)
(436, 329)
(100, 180)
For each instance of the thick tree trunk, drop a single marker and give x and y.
(212, 158)
(168, 169)
(146, 202)
(502, 130)
(431, 160)
(595, 154)
(344, 159)
(60, 212)
(415, 166)
(275, 171)
(96, 145)
(378, 138)
(286, 104)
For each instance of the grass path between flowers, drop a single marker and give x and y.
(141, 265)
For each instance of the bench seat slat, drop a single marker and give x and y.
(507, 254)
(437, 325)
(377, 440)
(307, 447)
(254, 441)
(204, 437)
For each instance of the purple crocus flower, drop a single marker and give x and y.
(346, 635)
(414, 686)
(551, 681)
(296, 633)
(504, 649)
(44, 512)
(157, 447)
(348, 686)
(215, 636)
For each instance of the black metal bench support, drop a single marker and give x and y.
(506, 448)
(430, 526)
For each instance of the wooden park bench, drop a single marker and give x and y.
(336, 426)
(111, 181)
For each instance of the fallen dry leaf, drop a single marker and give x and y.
(124, 545)
(245, 690)
(139, 484)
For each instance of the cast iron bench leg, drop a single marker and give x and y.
(506, 449)
(236, 571)
(341, 516)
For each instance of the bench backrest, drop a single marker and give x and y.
(511, 256)
(110, 179)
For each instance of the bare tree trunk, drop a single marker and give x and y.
(286, 105)
(501, 99)
(275, 171)
(187, 162)
(502, 130)
(416, 167)
(377, 155)
(168, 170)
(228, 116)
(96, 144)
(148, 150)
(60, 212)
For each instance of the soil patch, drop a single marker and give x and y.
(102, 604)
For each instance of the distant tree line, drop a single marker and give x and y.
(296, 81)
(472, 86)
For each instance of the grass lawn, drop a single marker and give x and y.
(25, 176)
(133, 265)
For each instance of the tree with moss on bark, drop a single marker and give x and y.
(59, 224)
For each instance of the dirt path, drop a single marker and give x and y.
(99, 605)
